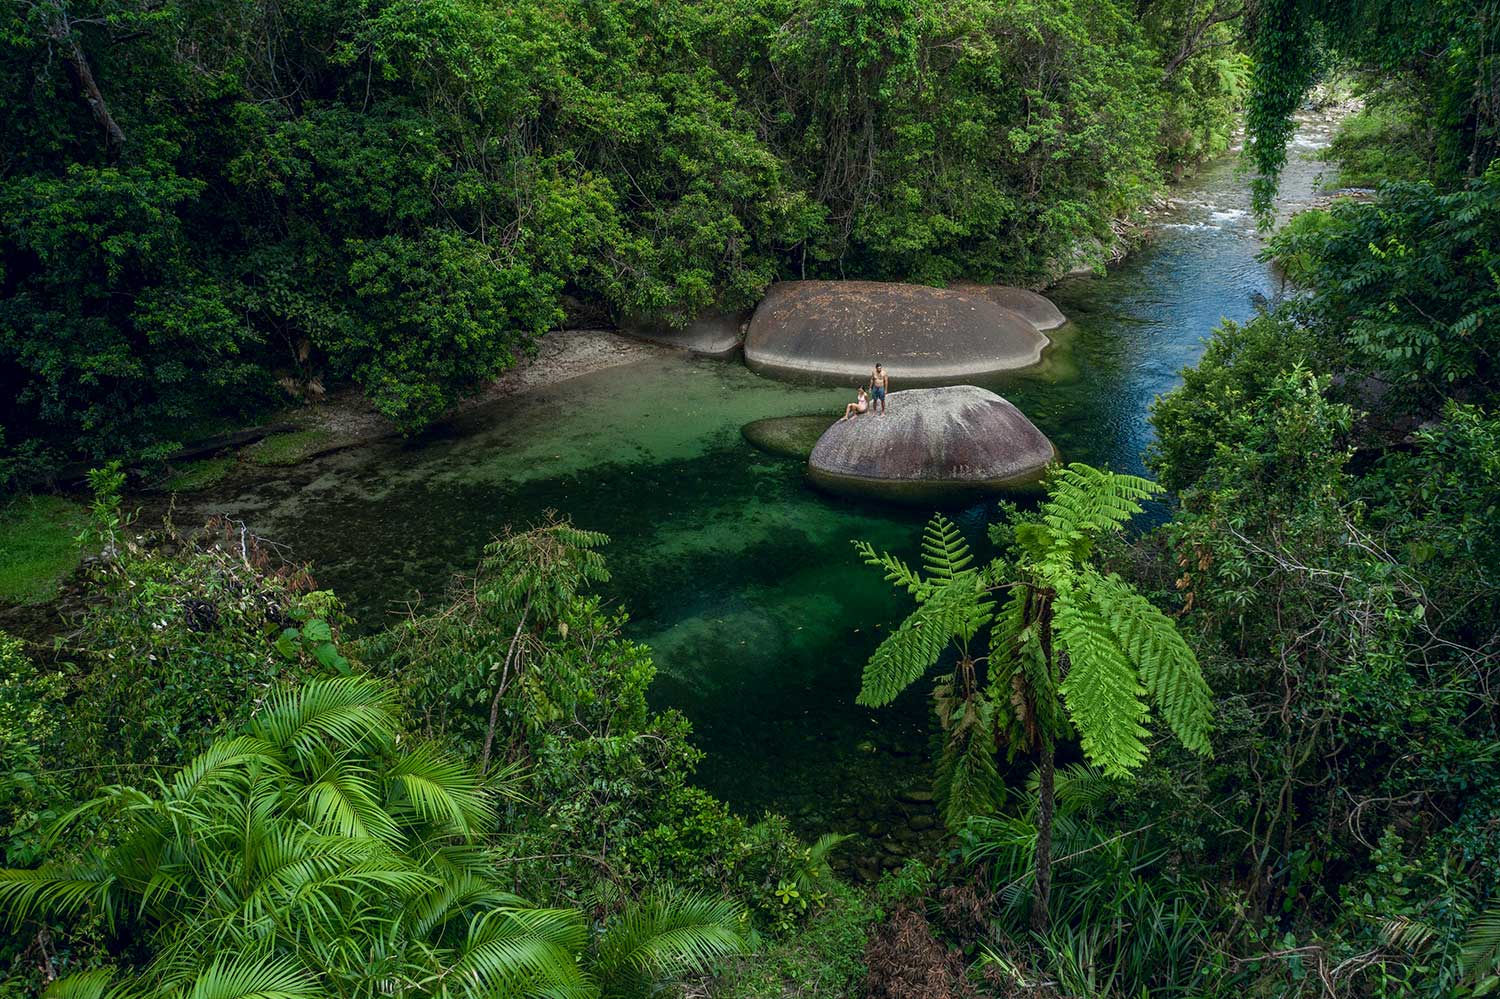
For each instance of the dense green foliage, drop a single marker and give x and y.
(1072, 652)
(224, 794)
(1443, 54)
(209, 206)
(310, 854)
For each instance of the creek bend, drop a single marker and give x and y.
(739, 575)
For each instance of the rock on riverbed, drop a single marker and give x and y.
(789, 436)
(715, 334)
(933, 445)
(837, 330)
(1034, 307)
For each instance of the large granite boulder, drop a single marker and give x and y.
(933, 445)
(1035, 308)
(714, 334)
(837, 330)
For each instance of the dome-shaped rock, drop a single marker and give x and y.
(713, 334)
(1035, 308)
(837, 330)
(933, 445)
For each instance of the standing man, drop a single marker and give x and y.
(880, 382)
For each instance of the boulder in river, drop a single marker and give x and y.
(837, 330)
(1036, 308)
(791, 436)
(713, 334)
(933, 445)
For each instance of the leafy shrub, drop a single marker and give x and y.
(180, 642)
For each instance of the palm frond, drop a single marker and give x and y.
(519, 952)
(93, 984)
(665, 936)
(345, 711)
(59, 892)
(253, 978)
(815, 870)
(1079, 788)
(440, 789)
(1481, 952)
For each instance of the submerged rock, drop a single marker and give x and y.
(1035, 308)
(933, 445)
(792, 436)
(710, 335)
(837, 330)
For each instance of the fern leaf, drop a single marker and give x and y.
(967, 781)
(896, 571)
(915, 646)
(1084, 502)
(1167, 666)
(945, 553)
(1102, 691)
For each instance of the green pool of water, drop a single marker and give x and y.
(740, 577)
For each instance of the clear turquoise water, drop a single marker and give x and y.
(742, 579)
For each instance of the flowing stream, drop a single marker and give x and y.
(741, 578)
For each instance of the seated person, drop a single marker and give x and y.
(860, 405)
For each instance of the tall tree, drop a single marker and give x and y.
(1071, 650)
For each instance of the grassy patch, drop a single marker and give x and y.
(287, 449)
(196, 475)
(36, 547)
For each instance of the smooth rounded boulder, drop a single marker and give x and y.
(1036, 308)
(714, 334)
(835, 331)
(931, 446)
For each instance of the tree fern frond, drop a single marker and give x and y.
(967, 781)
(895, 570)
(1084, 502)
(1101, 691)
(945, 553)
(1167, 666)
(915, 646)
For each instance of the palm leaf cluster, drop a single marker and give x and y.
(314, 854)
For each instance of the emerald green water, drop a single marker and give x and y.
(740, 577)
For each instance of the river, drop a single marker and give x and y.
(741, 578)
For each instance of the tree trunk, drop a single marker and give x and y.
(61, 31)
(512, 654)
(1042, 895)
